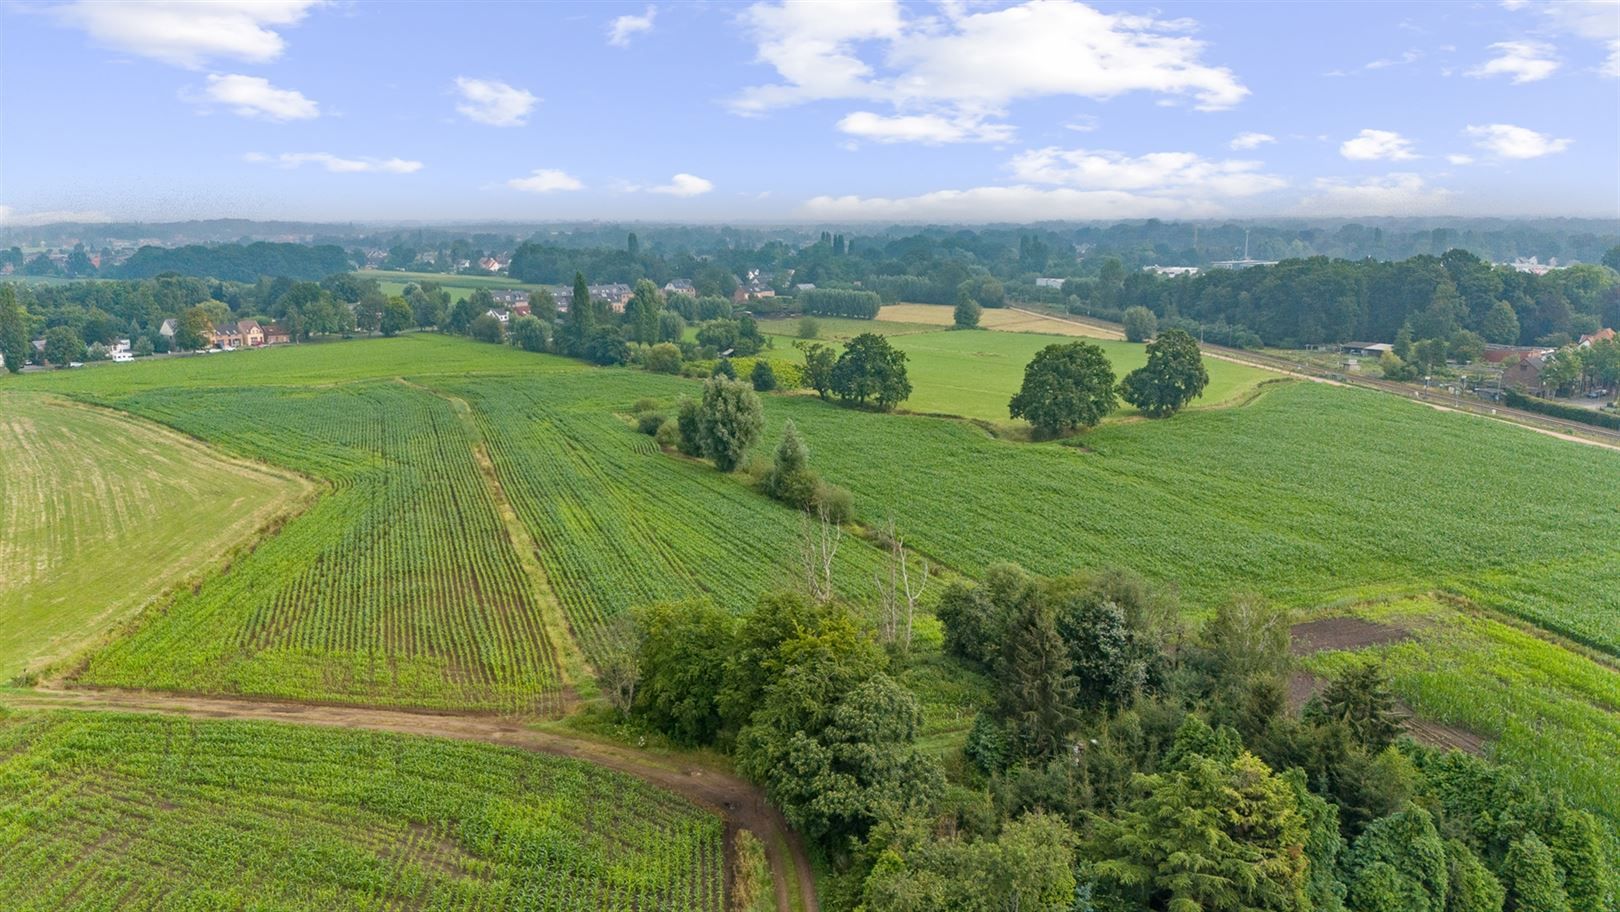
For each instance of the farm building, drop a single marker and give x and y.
(1525, 374)
(1366, 349)
(1496, 354)
(680, 286)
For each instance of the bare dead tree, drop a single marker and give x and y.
(899, 594)
(819, 541)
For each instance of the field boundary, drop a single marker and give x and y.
(572, 662)
(72, 658)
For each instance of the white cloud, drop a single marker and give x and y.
(1525, 61)
(1005, 204)
(492, 102)
(254, 96)
(1377, 145)
(12, 218)
(684, 185)
(188, 33)
(624, 27)
(1460, 158)
(1083, 123)
(1154, 173)
(1392, 194)
(336, 164)
(1592, 20)
(1384, 63)
(969, 65)
(1251, 140)
(546, 180)
(1508, 141)
(923, 128)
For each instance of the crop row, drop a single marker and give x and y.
(100, 812)
(618, 523)
(398, 586)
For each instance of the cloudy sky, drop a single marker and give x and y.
(959, 111)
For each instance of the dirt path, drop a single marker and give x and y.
(739, 803)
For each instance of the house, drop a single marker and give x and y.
(252, 333)
(520, 308)
(489, 264)
(123, 357)
(499, 313)
(680, 286)
(1525, 374)
(1172, 271)
(1366, 349)
(615, 296)
(1048, 282)
(1496, 354)
(169, 328)
(276, 334)
(227, 336)
(805, 286)
(510, 296)
(1603, 335)
(119, 345)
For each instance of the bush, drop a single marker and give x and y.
(1518, 400)
(809, 328)
(688, 440)
(763, 377)
(487, 329)
(1140, 324)
(967, 314)
(669, 434)
(724, 368)
(663, 358)
(833, 503)
(650, 423)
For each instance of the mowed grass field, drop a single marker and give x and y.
(459, 286)
(974, 373)
(100, 512)
(101, 811)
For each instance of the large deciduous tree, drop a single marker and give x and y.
(729, 421)
(641, 314)
(63, 346)
(1173, 376)
(870, 369)
(1066, 386)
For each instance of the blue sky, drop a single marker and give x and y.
(1048, 109)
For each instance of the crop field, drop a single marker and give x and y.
(1547, 709)
(400, 586)
(139, 812)
(618, 523)
(1002, 319)
(100, 512)
(1307, 494)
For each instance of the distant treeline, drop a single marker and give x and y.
(238, 262)
(1320, 300)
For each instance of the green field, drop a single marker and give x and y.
(101, 512)
(973, 373)
(1546, 709)
(138, 812)
(1305, 493)
(459, 286)
(400, 586)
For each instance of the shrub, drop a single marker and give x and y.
(723, 368)
(650, 423)
(688, 440)
(669, 434)
(663, 358)
(967, 314)
(1140, 324)
(833, 503)
(763, 377)
(487, 329)
(809, 327)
